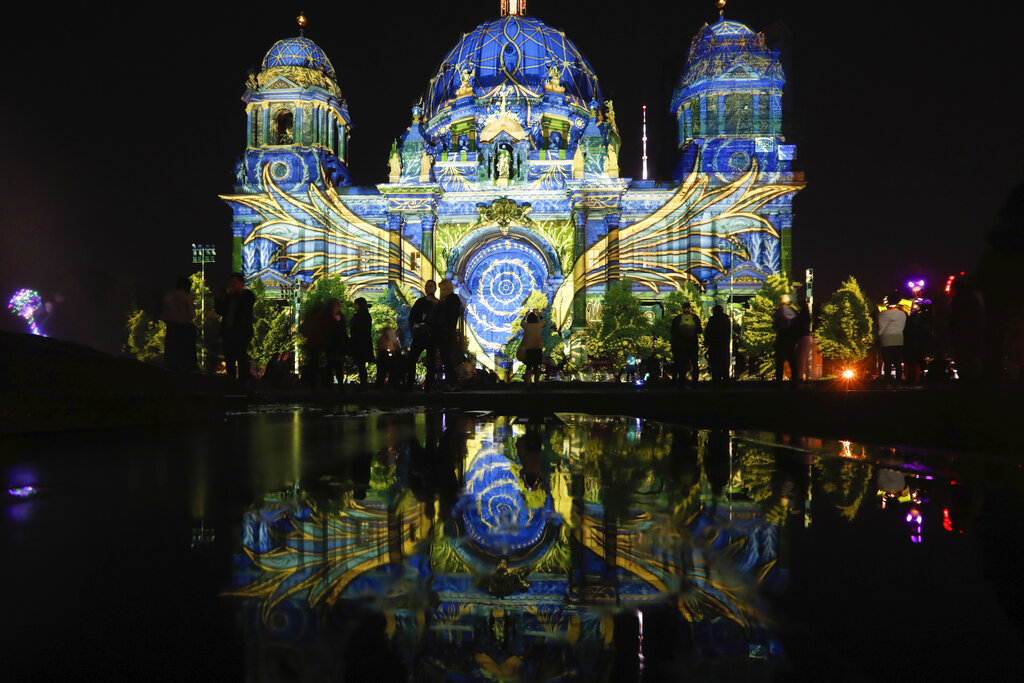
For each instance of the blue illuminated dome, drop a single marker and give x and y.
(298, 51)
(514, 51)
(730, 29)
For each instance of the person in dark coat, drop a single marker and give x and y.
(314, 330)
(917, 334)
(235, 305)
(179, 314)
(422, 336)
(337, 343)
(360, 342)
(447, 315)
(803, 340)
(784, 323)
(716, 338)
(686, 332)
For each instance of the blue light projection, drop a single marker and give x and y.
(514, 119)
(514, 52)
(485, 584)
(493, 510)
(499, 278)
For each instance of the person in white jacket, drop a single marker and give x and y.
(891, 322)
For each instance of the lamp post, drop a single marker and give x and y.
(203, 254)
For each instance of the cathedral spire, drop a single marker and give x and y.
(515, 8)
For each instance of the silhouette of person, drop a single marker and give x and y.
(235, 305)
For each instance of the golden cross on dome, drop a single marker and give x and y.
(515, 8)
(301, 20)
(721, 8)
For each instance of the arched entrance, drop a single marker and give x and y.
(497, 277)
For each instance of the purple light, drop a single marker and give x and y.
(23, 491)
(24, 303)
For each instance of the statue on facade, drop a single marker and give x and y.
(554, 81)
(251, 83)
(426, 161)
(611, 163)
(555, 141)
(504, 163)
(463, 143)
(466, 80)
(610, 115)
(394, 164)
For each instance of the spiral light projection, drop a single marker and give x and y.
(24, 303)
(499, 277)
(493, 510)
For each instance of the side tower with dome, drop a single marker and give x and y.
(297, 129)
(507, 182)
(728, 107)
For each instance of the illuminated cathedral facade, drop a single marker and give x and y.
(507, 179)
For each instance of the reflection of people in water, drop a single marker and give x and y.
(529, 448)
(432, 468)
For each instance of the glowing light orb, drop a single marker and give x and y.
(24, 303)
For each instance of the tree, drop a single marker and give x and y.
(271, 327)
(396, 301)
(624, 325)
(845, 328)
(326, 288)
(758, 340)
(145, 337)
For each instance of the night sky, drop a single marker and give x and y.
(122, 128)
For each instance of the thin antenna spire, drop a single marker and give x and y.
(645, 142)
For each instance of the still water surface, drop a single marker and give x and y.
(300, 545)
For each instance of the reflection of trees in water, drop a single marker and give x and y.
(843, 483)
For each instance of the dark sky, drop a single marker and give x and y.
(123, 127)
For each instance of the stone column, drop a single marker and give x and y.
(248, 126)
(266, 124)
(427, 222)
(579, 300)
(395, 222)
(611, 222)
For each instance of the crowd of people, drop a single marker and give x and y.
(333, 345)
(331, 340)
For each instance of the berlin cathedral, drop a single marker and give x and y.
(507, 179)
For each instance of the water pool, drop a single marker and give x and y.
(295, 544)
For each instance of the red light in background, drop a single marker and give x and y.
(947, 523)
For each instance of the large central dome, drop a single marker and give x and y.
(513, 51)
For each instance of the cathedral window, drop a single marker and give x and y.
(739, 114)
(284, 128)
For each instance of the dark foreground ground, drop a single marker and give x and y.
(46, 385)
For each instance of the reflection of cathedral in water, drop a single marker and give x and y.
(496, 549)
(507, 179)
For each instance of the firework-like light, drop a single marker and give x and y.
(24, 304)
